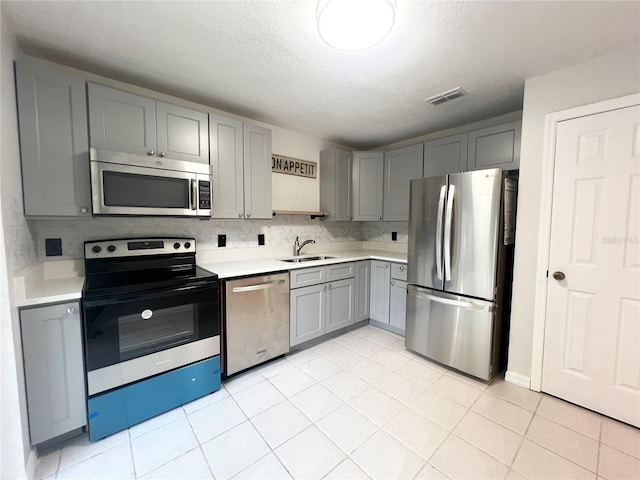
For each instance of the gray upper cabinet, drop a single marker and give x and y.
(495, 147)
(445, 155)
(53, 140)
(335, 183)
(124, 122)
(368, 174)
(182, 133)
(257, 171)
(54, 371)
(241, 165)
(400, 166)
(121, 121)
(227, 165)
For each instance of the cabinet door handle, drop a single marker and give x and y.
(392, 283)
(161, 154)
(248, 215)
(379, 218)
(240, 215)
(71, 310)
(84, 210)
(386, 265)
(402, 269)
(151, 153)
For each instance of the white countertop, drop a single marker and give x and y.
(49, 282)
(53, 282)
(239, 268)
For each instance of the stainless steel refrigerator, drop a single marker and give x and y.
(458, 270)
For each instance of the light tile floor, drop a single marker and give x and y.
(359, 406)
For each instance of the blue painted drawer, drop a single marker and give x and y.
(119, 409)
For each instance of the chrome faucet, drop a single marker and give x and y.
(297, 246)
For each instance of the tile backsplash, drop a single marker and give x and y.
(281, 230)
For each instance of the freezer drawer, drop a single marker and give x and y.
(453, 330)
(256, 320)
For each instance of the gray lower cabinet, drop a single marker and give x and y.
(400, 166)
(54, 372)
(54, 143)
(398, 304)
(389, 295)
(368, 181)
(241, 167)
(322, 300)
(380, 278)
(362, 287)
(307, 313)
(125, 122)
(495, 147)
(335, 183)
(445, 155)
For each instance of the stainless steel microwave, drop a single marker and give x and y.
(127, 184)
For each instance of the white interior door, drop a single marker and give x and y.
(592, 328)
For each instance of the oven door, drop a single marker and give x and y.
(133, 190)
(135, 336)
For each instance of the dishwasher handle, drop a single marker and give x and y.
(258, 286)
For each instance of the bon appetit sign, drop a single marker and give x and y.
(293, 166)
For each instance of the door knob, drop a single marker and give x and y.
(559, 275)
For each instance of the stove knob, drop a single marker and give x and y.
(176, 245)
(187, 245)
(111, 248)
(97, 249)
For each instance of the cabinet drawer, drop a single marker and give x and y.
(399, 271)
(307, 276)
(340, 271)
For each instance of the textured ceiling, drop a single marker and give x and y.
(265, 60)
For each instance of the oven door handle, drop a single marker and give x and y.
(257, 286)
(212, 287)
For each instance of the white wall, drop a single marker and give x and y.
(288, 191)
(17, 249)
(609, 76)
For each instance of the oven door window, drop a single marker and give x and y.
(121, 329)
(149, 191)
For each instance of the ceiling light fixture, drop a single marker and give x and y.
(355, 24)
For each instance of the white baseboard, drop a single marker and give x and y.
(518, 379)
(32, 463)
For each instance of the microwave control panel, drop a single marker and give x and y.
(204, 195)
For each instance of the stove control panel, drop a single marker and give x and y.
(134, 247)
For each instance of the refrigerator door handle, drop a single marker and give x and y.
(447, 301)
(447, 233)
(443, 191)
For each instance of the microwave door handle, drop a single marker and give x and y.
(193, 194)
(443, 191)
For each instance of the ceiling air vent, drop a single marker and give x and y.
(446, 96)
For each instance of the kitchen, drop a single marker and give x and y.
(612, 74)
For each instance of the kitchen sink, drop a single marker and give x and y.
(305, 259)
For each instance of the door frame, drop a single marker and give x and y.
(546, 206)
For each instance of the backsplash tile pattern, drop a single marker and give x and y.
(381, 231)
(281, 230)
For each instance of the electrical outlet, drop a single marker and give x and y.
(261, 239)
(394, 236)
(53, 247)
(222, 241)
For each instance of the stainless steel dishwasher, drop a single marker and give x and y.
(256, 320)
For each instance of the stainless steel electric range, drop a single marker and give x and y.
(151, 330)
